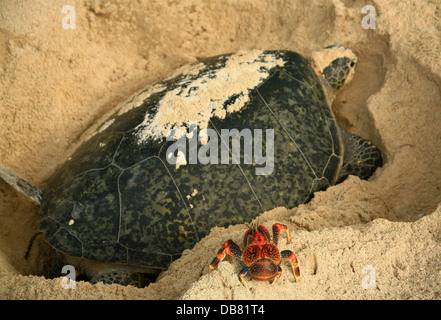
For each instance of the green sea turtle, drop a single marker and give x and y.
(215, 143)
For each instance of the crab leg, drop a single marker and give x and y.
(242, 274)
(279, 272)
(277, 229)
(289, 255)
(229, 247)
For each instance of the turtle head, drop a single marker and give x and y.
(336, 64)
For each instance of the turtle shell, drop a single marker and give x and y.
(119, 199)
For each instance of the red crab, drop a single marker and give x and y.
(261, 257)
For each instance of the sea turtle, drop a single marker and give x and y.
(159, 173)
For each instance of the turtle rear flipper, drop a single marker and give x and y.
(21, 185)
(361, 157)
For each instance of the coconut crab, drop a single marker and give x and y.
(262, 258)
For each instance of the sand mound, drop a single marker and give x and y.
(56, 83)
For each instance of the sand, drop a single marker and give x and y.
(376, 239)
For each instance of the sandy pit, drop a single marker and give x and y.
(56, 83)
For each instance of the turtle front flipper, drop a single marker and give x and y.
(21, 185)
(361, 157)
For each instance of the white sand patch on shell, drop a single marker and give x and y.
(197, 100)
